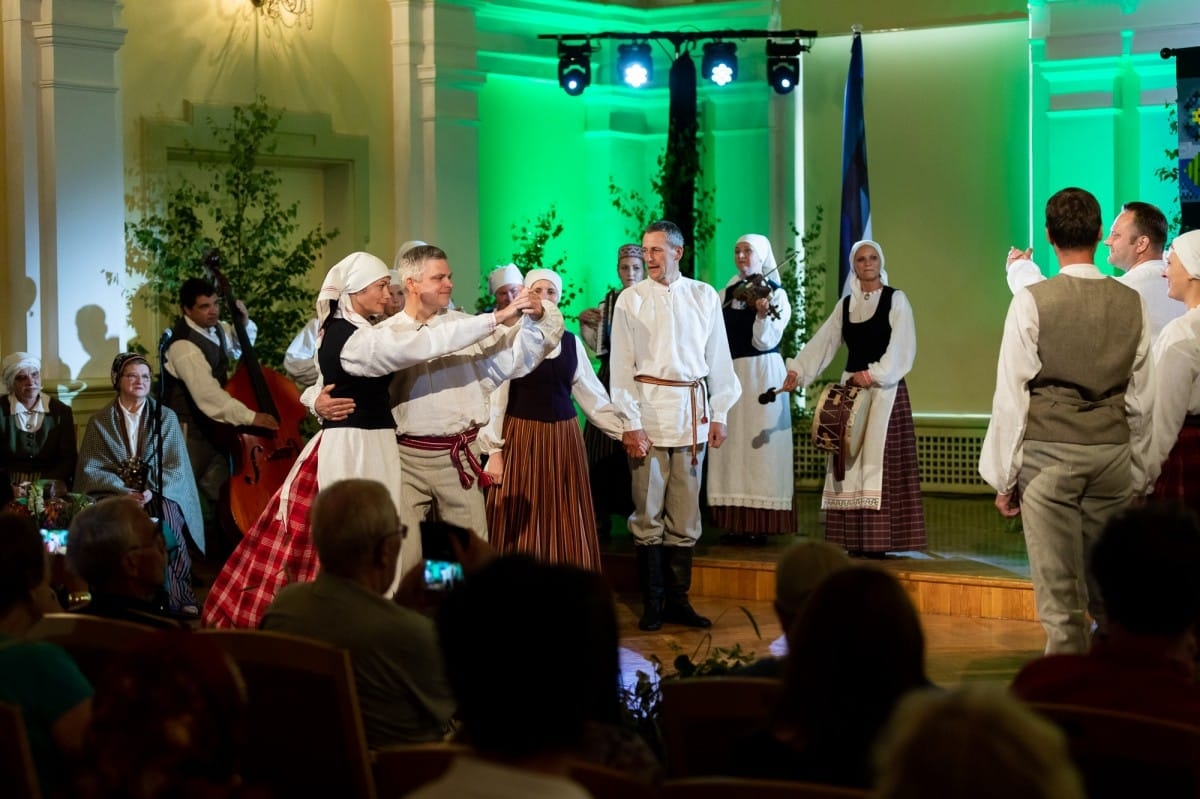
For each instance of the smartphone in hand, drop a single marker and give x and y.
(442, 568)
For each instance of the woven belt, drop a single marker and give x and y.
(459, 447)
(696, 389)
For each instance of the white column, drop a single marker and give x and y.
(65, 188)
(435, 124)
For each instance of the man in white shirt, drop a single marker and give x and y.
(1135, 246)
(1070, 428)
(673, 384)
(440, 405)
(196, 363)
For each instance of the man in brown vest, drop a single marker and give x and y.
(1070, 417)
(196, 355)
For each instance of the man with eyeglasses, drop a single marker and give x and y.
(673, 384)
(118, 549)
(402, 688)
(1135, 246)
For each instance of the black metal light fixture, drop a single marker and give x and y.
(574, 67)
(635, 64)
(720, 62)
(783, 65)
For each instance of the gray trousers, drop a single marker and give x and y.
(666, 496)
(1068, 493)
(428, 480)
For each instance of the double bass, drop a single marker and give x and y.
(260, 459)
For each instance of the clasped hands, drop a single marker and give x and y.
(637, 444)
(526, 303)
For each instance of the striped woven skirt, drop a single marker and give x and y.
(899, 524)
(544, 507)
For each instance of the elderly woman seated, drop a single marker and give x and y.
(37, 432)
(38, 677)
(120, 551)
(134, 447)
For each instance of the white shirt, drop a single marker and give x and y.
(1145, 278)
(1176, 386)
(890, 369)
(300, 360)
(187, 363)
(30, 419)
(674, 332)
(586, 390)
(1000, 460)
(449, 395)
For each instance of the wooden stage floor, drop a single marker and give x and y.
(975, 564)
(971, 586)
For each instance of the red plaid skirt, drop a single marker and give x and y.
(275, 552)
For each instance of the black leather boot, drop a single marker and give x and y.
(650, 578)
(677, 571)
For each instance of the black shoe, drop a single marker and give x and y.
(677, 575)
(652, 617)
(686, 615)
(650, 580)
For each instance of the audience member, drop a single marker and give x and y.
(522, 727)
(169, 721)
(122, 555)
(38, 677)
(37, 432)
(855, 650)
(799, 571)
(1145, 565)
(402, 688)
(972, 744)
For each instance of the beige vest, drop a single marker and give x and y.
(1088, 332)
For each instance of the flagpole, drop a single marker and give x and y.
(856, 201)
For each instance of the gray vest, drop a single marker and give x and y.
(1088, 332)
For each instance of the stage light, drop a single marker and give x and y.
(783, 65)
(574, 67)
(635, 64)
(720, 62)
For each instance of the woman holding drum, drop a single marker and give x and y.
(875, 507)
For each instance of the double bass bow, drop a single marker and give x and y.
(261, 458)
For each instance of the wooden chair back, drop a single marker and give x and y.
(18, 776)
(703, 717)
(402, 768)
(92, 642)
(737, 788)
(1124, 754)
(603, 782)
(304, 723)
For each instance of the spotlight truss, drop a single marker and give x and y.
(635, 64)
(636, 69)
(783, 65)
(720, 62)
(574, 67)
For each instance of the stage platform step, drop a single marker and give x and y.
(975, 565)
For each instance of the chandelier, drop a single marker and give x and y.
(289, 12)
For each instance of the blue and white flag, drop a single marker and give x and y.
(856, 197)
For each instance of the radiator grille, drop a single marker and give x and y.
(948, 458)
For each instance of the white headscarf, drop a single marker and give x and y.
(855, 288)
(351, 275)
(404, 248)
(505, 275)
(534, 275)
(1186, 246)
(761, 246)
(17, 362)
